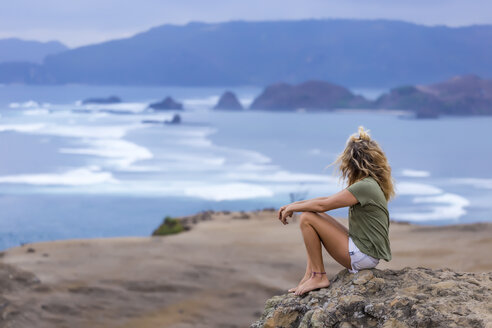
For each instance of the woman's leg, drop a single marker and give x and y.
(332, 219)
(320, 228)
(307, 275)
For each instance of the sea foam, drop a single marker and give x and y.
(121, 152)
(134, 107)
(27, 104)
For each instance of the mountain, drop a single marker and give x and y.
(307, 95)
(367, 53)
(24, 73)
(17, 50)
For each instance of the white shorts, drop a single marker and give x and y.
(359, 260)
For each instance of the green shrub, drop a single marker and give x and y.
(169, 226)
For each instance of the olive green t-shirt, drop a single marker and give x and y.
(369, 219)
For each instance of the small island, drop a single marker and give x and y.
(460, 95)
(463, 95)
(167, 104)
(175, 120)
(310, 95)
(228, 101)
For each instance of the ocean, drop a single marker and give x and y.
(81, 171)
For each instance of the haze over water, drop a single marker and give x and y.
(76, 171)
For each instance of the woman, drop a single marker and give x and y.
(364, 164)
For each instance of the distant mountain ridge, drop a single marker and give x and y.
(366, 53)
(17, 50)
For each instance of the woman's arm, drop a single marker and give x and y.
(321, 204)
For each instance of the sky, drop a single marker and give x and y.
(81, 22)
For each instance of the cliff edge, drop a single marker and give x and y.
(411, 297)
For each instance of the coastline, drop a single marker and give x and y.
(219, 273)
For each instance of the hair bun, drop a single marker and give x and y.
(364, 134)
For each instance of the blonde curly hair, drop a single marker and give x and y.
(364, 157)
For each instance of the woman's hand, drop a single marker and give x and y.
(280, 210)
(285, 212)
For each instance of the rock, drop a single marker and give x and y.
(311, 95)
(281, 320)
(393, 323)
(228, 101)
(167, 104)
(411, 297)
(108, 100)
(346, 325)
(363, 276)
(175, 120)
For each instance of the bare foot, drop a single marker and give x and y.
(313, 283)
(303, 280)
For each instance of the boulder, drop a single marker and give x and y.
(108, 100)
(311, 95)
(167, 104)
(229, 101)
(411, 297)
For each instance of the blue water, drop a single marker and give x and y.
(74, 171)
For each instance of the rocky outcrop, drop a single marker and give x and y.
(411, 297)
(108, 100)
(461, 95)
(229, 101)
(175, 120)
(167, 104)
(311, 95)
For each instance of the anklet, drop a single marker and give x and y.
(320, 273)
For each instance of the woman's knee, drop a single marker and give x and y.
(306, 218)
